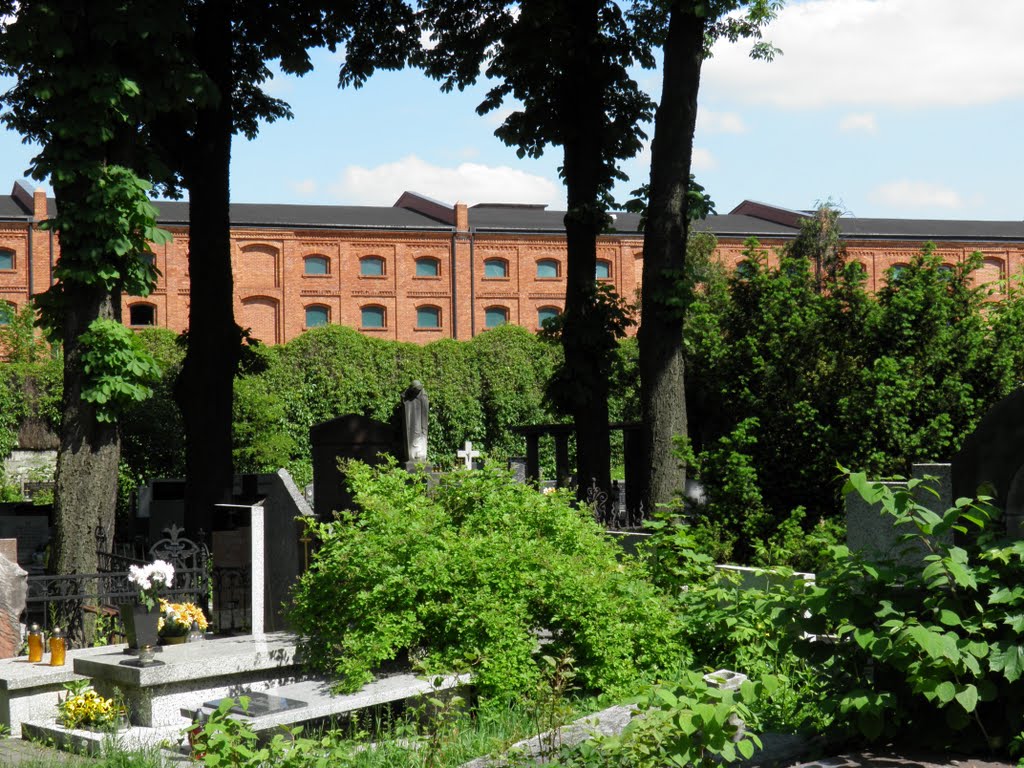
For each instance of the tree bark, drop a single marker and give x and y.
(204, 389)
(662, 388)
(85, 492)
(583, 101)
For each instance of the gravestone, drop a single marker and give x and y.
(517, 465)
(468, 455)
(346, 437)
(415, 412)
(13, 593)
(873, 533)
(259, 539)
(31, 527)
(991, 461)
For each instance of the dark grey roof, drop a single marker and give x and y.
(529, 218)
(311, 216)
(931, 229)
(12, 209)
(737, 225)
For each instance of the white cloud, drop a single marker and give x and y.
(709, 122)
(468, 182)
(908, 53)
(703, 160)
(303, 187)
(909, 195)
(864, 122)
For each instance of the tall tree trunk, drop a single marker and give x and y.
(662, 389)
(581, 342)
(85, 493)
(205, 386)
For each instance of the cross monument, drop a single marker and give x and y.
(467, 454)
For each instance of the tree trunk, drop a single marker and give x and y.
(205, 386)
(662, 391)
(583, 102)
(85, 492)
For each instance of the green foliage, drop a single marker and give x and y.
(117, 368)
(933, 635)
(829, 372)
(687, 723)
(478, 391)
(468, 573)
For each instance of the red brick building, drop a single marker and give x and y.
(422, 270)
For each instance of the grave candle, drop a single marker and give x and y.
(35, 643)
(58, 648)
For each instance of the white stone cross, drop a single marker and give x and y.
(467, 454)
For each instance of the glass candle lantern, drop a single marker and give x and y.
(58, 648)
(35, 643)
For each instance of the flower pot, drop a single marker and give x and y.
(140, 625)
(173, 640)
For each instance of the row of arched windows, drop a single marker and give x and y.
(547, 269)
(373, 316)
(371, 266)
(428, 266)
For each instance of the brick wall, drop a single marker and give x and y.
(282, 273)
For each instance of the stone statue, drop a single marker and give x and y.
(415, 420)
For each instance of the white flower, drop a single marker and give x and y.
(139, 577)
(150, 577)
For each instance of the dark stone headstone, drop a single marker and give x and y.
(346, 437)
(991, 461)
(518, 466)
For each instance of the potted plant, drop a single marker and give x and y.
(141, 618)
(176, 621)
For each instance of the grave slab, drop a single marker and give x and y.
(321, 704)
(29, 691)
(192, 673)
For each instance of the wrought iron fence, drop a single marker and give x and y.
(224, 594)
(65, 601)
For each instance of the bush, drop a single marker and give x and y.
(939, 638)
(470, 573)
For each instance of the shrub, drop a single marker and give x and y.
(940, 637)
(471, 572)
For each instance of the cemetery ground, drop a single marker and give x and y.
(921, 656)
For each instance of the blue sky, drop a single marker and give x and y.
(891, 108)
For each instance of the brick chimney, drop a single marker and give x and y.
(461, 217)
(39, 212)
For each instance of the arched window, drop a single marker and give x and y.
(316, 265)
(991, 271)
(547, 313)
(946, 271)
(428, 317)
(896, 272)
(495, 316)
(317, 315)
(495, 268)
(547, 268)
(427, 266)
(141, 314)
(373, 317)
(371, 266)
(6, 259)
(745, 270)
(603, 270)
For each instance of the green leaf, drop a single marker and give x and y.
(945, 691)
(968, 698)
